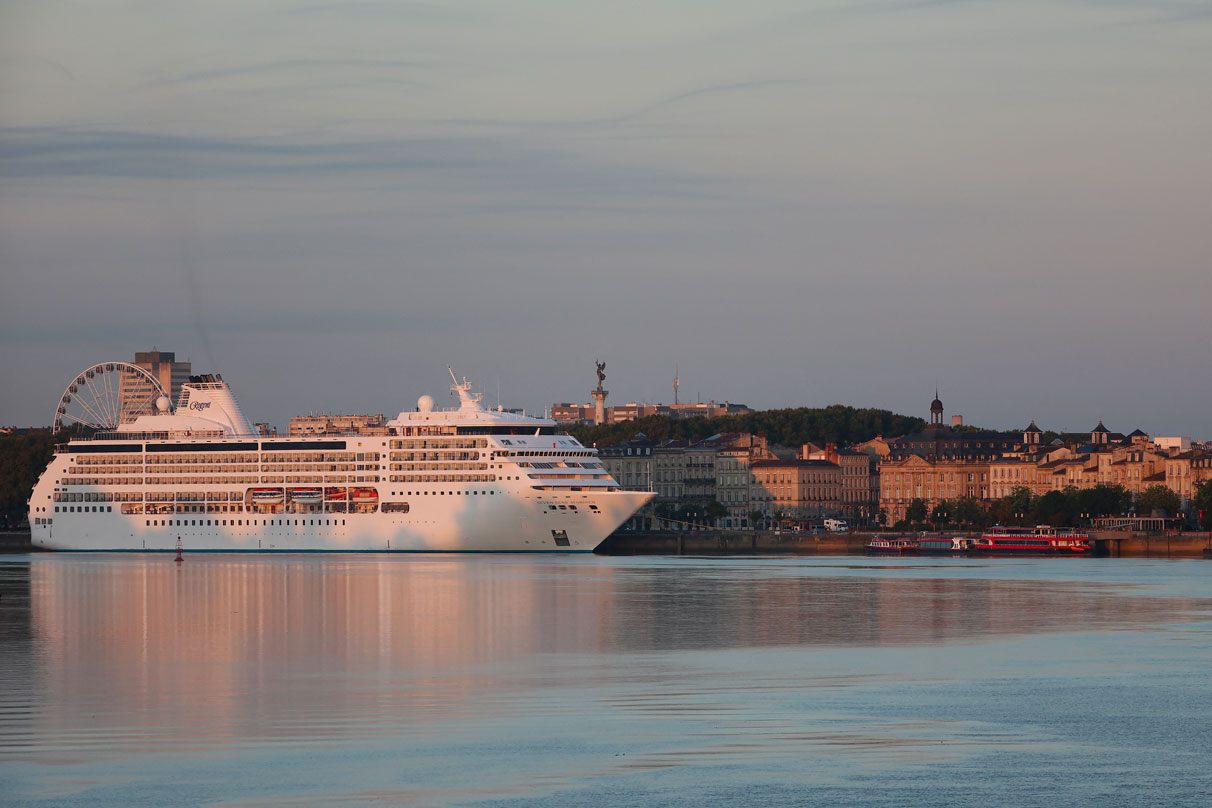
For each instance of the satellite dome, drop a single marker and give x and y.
(163, 404)
(425, 404)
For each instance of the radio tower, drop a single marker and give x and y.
(676, 382)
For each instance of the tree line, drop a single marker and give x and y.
(23, 456)
(1069, 507)
(788, 427)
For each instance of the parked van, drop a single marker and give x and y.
(836, 525)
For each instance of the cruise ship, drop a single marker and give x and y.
(199, 476)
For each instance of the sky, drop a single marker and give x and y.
(794, 203)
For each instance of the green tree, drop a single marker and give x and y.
(1013, 509)
(941, 514)
(915, 514)
(714, 512)
(1203, 504)
(1052, 508)
(789, 427)
(966, 511)
(1158, 498)
(1101, 500)
(755, 520)
(23, 456)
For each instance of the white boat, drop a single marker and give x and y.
(460, 480)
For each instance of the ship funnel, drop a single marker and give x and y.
(210, 398)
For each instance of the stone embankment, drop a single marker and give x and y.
(15, 541)
(1116, 544)
(1107, 543)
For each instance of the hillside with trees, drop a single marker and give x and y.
(790, 427)
(23, 456)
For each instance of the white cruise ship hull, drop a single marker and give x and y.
(465, 480)
(457, 525)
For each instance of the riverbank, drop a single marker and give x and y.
(1115, 544)
(15, 541)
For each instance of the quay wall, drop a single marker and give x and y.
(16, 541)
(734, 543)
(1107, 543)
(1115, 544)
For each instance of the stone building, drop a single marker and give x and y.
(631, 465)
(796, 490)
(939, 464)
(733, 472)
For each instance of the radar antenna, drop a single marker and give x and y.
(466, 398)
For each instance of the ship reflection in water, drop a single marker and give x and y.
(439, 679)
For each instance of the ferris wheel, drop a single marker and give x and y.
(106, 395)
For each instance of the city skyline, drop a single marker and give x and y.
(488, 400)
(794, 204)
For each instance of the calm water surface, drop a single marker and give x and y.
(517, 680)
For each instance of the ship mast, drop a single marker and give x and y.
(466, 397)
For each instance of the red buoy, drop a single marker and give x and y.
(178, 559)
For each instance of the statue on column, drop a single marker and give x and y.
(601, 373)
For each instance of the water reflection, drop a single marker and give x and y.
(675, 663)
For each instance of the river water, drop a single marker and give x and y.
(591, 681)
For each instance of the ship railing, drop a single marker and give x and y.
(176, 435)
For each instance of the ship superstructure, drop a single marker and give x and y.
(459, 480)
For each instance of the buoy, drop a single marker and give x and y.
(178, 559)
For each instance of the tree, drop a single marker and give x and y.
(715, 512)
(967, 511)
(663, 512)
(1018, 501)
(790, 427)
(23, 456)
(1158, 498)
(755, 520)
(941, 514)
(915, 514)
(1052, 508)
(1101, 500)
(881, 518)
(1203, 504)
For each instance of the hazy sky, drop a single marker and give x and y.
(797, 203)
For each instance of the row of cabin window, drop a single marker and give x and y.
(234, 522)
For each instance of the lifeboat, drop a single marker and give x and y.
(266, 496)
(334, 494)
(363, 494)
(306, 496)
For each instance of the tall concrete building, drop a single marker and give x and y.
(162, 365)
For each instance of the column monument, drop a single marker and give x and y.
(599, 396)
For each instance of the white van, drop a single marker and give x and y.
(836, 525)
